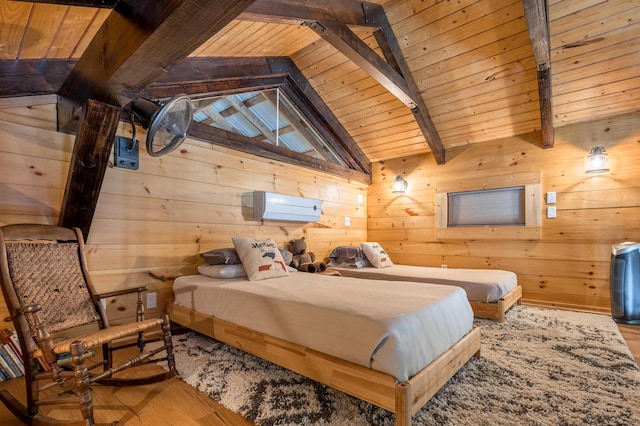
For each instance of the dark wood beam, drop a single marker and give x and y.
(376, 16)
(350, 45)
(107, 4)
(249, 145)
(33, 77)
(296, 12)
(536, 14)
(139, 41)
(91, 150)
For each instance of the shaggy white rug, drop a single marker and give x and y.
(540, 367)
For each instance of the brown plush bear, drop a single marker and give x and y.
(304, 260)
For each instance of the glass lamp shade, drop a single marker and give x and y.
(596, 161)
(399, 185)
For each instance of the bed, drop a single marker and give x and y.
(491, 292)
(335, 330)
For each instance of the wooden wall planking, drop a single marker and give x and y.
(569, 265)
(150, 224)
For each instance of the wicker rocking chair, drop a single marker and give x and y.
(48, 291)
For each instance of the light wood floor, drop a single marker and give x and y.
(175, 403)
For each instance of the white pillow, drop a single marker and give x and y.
(376, 255)
(222, 271)
(261, 258)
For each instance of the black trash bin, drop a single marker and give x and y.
(624, 282)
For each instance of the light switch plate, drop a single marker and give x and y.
(551, 212)
(347, 221)
(551, 197)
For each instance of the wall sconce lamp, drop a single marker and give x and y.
(399, 185)
(596, 161)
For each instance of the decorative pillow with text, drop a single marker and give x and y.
(261, 258)
(376, 255)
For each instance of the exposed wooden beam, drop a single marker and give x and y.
(108, 4)
(536, 14)
(91, 150)
(296, 12)
(278, 153)
(139, 41)
(33, 77)
(350, 45)
(376, 16)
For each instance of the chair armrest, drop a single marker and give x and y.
(28, 309)
(120, 292)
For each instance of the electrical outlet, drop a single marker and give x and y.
(152, 300)
(444, 266)
(551, 212)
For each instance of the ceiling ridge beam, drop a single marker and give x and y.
(295, 12)
(537, 17)
(375, 14)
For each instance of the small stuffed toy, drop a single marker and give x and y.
(304, 260)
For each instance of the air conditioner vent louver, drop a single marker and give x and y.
(272, 206)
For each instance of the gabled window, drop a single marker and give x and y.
(266, 107)
(267, 116)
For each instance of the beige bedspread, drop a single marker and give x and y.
(397, 328)
(481, 285)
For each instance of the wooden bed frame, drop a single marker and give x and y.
(496, 310)
(404, 399)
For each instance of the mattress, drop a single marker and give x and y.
(396, 329)
(481, 285)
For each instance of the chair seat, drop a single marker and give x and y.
(100, 337)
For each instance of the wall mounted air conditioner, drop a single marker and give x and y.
(269, 205)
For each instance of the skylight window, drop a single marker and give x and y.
(267, 116)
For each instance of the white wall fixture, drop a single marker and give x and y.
(399, 185)
(596, 161)
(272, 206)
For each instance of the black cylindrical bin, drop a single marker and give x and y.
(624, 282)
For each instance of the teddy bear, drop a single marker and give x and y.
(304, 260)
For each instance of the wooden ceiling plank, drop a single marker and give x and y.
(376, 14)
(91, 151)
(536, 14)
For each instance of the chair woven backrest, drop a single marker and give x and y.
(51, 275)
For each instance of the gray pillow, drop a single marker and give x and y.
(348, 257)
(223, 256)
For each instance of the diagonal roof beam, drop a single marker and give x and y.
(376, 17)
(139, 42)
(347, 42)
(536, 14)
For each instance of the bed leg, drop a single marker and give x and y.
(403, 404)
(502, 307)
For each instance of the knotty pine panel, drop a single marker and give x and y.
(569, 265)
(151, 224)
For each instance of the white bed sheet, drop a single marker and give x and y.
(397, 329)
(481, 285)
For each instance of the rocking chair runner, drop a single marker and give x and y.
(47, 288)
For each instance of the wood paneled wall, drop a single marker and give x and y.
(150, 224)
(569, 265)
